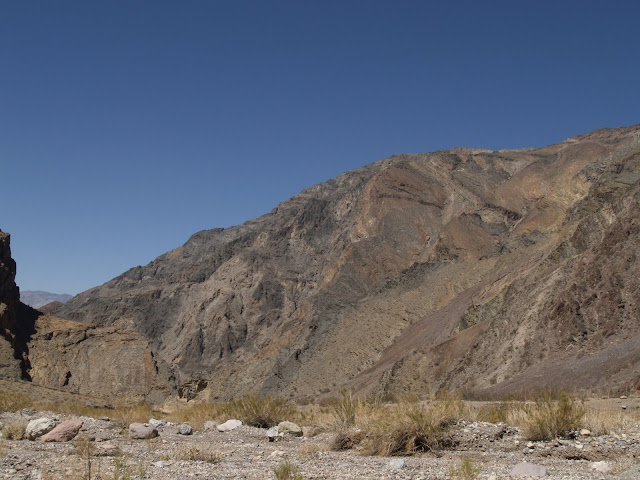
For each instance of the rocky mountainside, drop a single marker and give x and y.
(80, 358)
(39, 298)
(488, 271)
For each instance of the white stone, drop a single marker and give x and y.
(602, 467)
(38, 427)
(229, 425)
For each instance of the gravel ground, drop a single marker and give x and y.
(246, 453)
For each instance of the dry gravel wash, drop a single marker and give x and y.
(247, 454)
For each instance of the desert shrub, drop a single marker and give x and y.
(14, 430)
(346, 439)
(260, 411)
(548, 419)
(411, 428)
(466, 470)
(13, 401)
(346, 408)
(287, 471)
(196, 453)
(603, 420)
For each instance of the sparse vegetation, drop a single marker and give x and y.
(412, 427)
(14, 430)
(13, 401)
(196, 453)
(549, 418)
(287, 471)
(85, 449)
(346, 439)
(346, 408)
(466, 470)
(123, 470)
(196, 414)
(259, 411)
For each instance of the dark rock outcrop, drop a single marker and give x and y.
(470, 269)
(11, 347)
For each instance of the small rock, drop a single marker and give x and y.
(229, 425)
(210, 425)
(623, 397)
(161, 464)
(140, 431)
(273, 434)
(624, 407)
(185, 429)
(602, 467)
(585, 432)
(396, 464)
(38, 427)
(157, 423)
(528, 470)
(276, 453)
(64, 432)
(289, 428)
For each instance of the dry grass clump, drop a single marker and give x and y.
(260, 411)
(346, 408)
(548, 419)
(287, 471)
(346, 439)
(14, 430)
(135, 413)
(603, 420)
(310, 449)
(196, 414)
(14, 401)
(466, 470)
(196, 453)
(3, 449)
(411, 428)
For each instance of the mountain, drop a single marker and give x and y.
(38, 298)
(474, 270)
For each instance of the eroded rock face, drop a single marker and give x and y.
(454, 268)
(92, 360)
(10, 366)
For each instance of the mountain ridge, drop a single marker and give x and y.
(308, 297)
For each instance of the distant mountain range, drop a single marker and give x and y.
(38, 298)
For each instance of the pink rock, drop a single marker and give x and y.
(64, 432)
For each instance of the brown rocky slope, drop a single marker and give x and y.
(80, 358)
(469, 269)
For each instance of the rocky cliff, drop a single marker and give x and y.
(9, 304)
(77, 357)
(475, 269)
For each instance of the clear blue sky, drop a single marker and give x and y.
(126, 126)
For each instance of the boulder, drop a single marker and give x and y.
(64, 432)
(273, 434)
(140, 431)
(229, 425)
(38, 427)
(185, 429)
(290, 428)
(157, 423)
